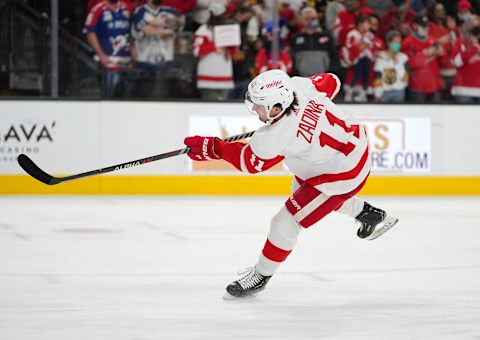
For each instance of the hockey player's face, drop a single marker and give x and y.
(261, 112)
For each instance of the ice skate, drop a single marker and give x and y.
(247, 286)
(374, 222)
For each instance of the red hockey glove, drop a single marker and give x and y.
(202, 148)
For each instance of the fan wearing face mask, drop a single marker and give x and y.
(313, 49)
(391, 71)
(425, 56)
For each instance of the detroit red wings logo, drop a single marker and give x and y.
(274, 84)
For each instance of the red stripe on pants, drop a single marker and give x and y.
(301, 197)
(274, 253)
(331, 204)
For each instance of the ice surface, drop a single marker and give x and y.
(156, 268)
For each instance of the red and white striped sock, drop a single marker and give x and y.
(281, 240)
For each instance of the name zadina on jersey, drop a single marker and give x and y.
(320, 143)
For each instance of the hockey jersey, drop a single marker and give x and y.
(319, 142)
(390, 74)
(425, 77)
(215, 65)
(467, 58)
(152, 50)
(112, 27)
(351, 53)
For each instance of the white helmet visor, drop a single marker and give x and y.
(249, 103)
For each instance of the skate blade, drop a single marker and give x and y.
(230, 297)
(387, 225)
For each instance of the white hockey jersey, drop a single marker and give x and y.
(319, 142)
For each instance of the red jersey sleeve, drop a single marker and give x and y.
(91, 23)
(242, 157)
(328, 83)
(461, 54)
(202, 46)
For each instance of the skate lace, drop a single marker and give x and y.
(251, 279)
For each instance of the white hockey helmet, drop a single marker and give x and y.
(268, 89)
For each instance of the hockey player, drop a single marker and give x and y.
(325, 148)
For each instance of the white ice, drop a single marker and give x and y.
(156, 268)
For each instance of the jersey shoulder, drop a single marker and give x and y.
(269, 141)
(327, 84)
(95, 13)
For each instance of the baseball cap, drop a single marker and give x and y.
(464, 4)
(287, 14)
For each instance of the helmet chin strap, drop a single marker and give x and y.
(271, 119)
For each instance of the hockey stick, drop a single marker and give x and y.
(33, 170)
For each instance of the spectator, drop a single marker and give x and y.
(464, 11)
(358, 54)
(313, 50)
(464, 15)
(444, 30)
(375, 25)
(379, 6)
(424, 55)
(264, 58)
(291, 21)
(321, 7)
(133, 4)
(215, 67)
(201, 13)
(333, 8)
(295, 5)
(391, 75)
(108, 32)
(466, 55)
(418, 6)
(345, 21)
(244, 59)
(182, 7)
(399, 17)
(154, 29)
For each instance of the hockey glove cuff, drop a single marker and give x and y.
(202, 148)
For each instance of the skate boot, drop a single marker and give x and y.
(374, 222)
(247, 286)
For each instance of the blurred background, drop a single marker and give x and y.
(383, 51)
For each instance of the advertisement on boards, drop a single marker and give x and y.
(399, 144)
(61, 138)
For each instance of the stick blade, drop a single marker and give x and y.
(33, 170)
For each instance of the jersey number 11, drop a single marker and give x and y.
(327, 140)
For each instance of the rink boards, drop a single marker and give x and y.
(415, 149)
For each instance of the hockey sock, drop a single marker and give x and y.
(281, 240)
(352, 207)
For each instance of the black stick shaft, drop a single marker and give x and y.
(33, 170)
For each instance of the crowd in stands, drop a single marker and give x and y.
(384, 51)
